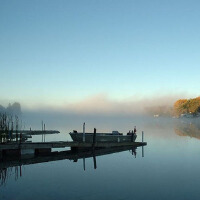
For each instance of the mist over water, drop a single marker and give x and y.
(94, 110)
(103, 104)
(72, 121)
(98, 111)
(67, 122)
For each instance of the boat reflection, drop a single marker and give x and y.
(8, 165)
(187, 129)
(105, 151)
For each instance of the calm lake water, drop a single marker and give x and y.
(170, 168)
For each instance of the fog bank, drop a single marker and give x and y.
(101, 104)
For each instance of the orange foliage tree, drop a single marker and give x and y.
(179, 107)
(184, 106)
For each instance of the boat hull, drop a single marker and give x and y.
(100, 137)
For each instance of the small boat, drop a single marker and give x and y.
(115, 136)
(102, 137)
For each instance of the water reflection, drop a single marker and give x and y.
(12, 166)
(6, 173)
(185, 128)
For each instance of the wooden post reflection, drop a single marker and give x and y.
(20, 171)
(142, 151)
(142, 141)
(94, 160)
(84, 164)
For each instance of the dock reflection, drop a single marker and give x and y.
(8, 165)
(6, 173)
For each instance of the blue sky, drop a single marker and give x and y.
(57, 52)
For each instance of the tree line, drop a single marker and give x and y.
(187, 106)
(190, 107)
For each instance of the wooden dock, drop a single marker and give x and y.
(61, 144)
(23, 148)
(33, 132)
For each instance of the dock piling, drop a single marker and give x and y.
(142, 136)
(94, 138)
(44, 132)
(84, 132)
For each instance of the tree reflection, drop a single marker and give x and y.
(188, 129)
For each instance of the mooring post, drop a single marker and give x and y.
(94, 138)
(84, 132)
(142, 136)
(12, 130)
(16, 131)
(142, 145)
(44, 132)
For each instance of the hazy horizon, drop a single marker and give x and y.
(102, 104)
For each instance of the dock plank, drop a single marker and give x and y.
(61, 144)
